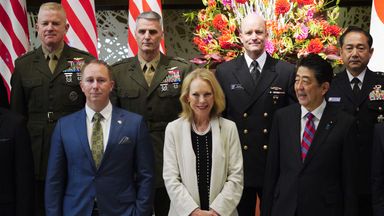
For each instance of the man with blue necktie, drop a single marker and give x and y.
(101, 160)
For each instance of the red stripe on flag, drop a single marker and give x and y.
(20, 14)
(17, 45)
(90, 12)
(133, 10)
(146, 6)
(132, 43)
(79, 29)
(6, 56)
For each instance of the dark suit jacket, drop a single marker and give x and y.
(366, 113)
(378, 171)
(3, 95)
(159, 103)
(122, 185)
(16, 165)
(252, 107)
(37, 93)
(324, 184)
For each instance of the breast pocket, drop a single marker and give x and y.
(129, 99)
(33, 91)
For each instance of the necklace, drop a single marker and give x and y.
(207, 155)
(194, 128)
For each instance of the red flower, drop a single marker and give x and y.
(315, 46)
(241, 1)
(304, 2)
(220, 21)
(225, 41)
(282, 7)
(212, 3)
(331, 49)
(333, 30)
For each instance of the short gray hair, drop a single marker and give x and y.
(150, 15)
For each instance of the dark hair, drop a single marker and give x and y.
(322, 69)
(357, 30)
(99, 62)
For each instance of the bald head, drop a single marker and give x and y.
(253, 34)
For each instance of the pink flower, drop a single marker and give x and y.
(303, 34)
(227, 2)
(269, 47)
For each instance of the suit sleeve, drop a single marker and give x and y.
(378, 171)
(24, 175)
(227, 200)
(272, 168)
(18, 99)
(180, 198)
(350, 164)
(56, 174)
(144, 165)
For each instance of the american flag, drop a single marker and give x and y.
(14, 36)
(135, 8)
(377, 31)
(82, 32)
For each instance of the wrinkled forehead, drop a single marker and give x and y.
(148, 24)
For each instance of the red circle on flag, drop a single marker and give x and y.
(379, 7)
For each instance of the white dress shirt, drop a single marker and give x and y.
(261, 61)
(105, 123)
(360, 77)
(318, 112)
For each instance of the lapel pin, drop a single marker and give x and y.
(119, 121)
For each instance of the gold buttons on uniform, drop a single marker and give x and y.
(265, 130)
(245, 131)
(245, 147)
(265, 147)
(245, 115)
(265, 114)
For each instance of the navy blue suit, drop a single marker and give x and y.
(122, 185)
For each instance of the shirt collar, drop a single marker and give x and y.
(261, 60)
(154, 61)
(57, 52)
(360, 76)
(318, 112)
(106, 112)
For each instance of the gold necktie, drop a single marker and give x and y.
(97, 147)
(148, 73)
(52, 62)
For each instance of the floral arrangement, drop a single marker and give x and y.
(295, 27)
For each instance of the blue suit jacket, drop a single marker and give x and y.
(122, 185)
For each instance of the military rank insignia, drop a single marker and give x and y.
(276, 92)
(75, 66)
(173, 78)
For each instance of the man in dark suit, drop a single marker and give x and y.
(149, 84)
(311, 165)
(251, 100)
(16, 165)
(360, 100)
(3, 95)
(101, 159)
(378, 171)
(45, 86)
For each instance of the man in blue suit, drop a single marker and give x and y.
(101, 160)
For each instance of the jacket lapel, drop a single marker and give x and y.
(41, 63)
(81, 130)
(267, 76)
(326, 124)
(218, 158)
(243, 75)
(137, 74)
(117, 121)
(160, 73)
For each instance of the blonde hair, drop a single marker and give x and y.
(218, 94)
(53, 6)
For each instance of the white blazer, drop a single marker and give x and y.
(179, 170)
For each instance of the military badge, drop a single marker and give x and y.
(68, 77)
(73, 96)
(376, 94)
(173, 78)
(75, 66)
(276, 91)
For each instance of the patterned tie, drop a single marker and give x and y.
(97, 147)
(52, 62)
(309, 133)
(148, 73)
(255, 73)
(356, 89)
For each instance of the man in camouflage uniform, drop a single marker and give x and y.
(45, 86)
(149, 84)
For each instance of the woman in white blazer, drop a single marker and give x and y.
(203, 164)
